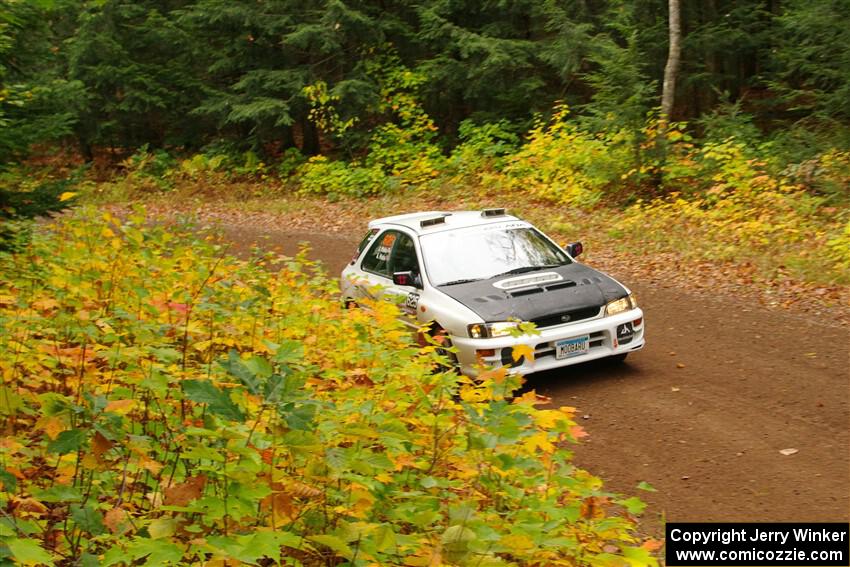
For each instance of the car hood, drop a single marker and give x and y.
(538, 296)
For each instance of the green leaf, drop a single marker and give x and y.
(29, 551)
(67, 441)
(457, 536)
(334, 543)
(643, 485)
(384, 537)
(218, 401)
(301, 439)
(156, 551)
(638, 556)
(301, 417)
(247, 375)
(10, 483)
(59, 493)
(634, 505)
(88, 519)
(10, 401)
(289, 351)
(259, 366)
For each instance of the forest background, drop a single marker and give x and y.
(555, 101)
(164, 402)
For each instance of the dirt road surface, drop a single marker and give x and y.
(702, 413)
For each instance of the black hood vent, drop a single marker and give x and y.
(527, 291)
(561, 285)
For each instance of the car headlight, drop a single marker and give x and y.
(620, 305)
(489, 330)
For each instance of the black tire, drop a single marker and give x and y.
(618, 358)
(444, 350)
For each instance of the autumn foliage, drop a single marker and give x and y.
(165, 403)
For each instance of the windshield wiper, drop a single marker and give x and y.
(456, 282)
(524, 269)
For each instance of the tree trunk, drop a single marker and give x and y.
(671, 70)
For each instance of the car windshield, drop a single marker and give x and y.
(483, 252)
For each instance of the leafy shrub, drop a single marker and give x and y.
(166, 403)
(321, 175)
(733, 202)
(483, 146)
(150, 170)
(827, 174)
(200, 165)
(289, 162)
(838, 249)
(403, 145)
(564, 164)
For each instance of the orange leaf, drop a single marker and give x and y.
(496, 374)
(182, 494)
(532, 398)
(116, 520)
(28, 507)
(99, 446)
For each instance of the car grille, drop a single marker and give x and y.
(571, 317)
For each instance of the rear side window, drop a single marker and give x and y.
(372, 232)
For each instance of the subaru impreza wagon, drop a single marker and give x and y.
(475, 277)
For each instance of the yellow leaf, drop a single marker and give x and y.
(162, 527)
(121, 407)
(53, 426)
(523, 350)
(107, 233)
(548, 418)
(67, 195)
(517, 542)
(539, 440)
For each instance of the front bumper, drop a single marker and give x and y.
(603, 342)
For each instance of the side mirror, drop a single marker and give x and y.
(574, 249)
(406, 279)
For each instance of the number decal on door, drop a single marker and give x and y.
(411, 303)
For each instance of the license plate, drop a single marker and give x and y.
(567, 348)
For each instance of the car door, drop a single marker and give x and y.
(392, 251)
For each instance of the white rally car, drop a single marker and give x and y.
(475, 276)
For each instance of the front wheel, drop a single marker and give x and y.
(442, 338)
(618, 358)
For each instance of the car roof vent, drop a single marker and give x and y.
(433, 221)
(493, 212)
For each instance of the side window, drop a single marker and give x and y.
(392, 251)
(403, 258)
(377, 259)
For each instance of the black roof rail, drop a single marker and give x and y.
(493, 212)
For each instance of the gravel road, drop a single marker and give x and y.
(704, 410)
